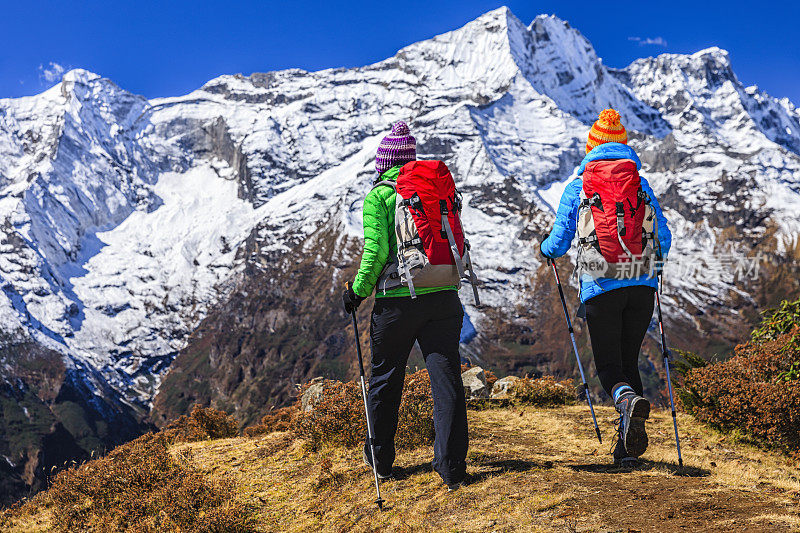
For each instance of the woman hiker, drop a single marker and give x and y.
(433, 319)
(619, 308)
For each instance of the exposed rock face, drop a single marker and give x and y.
(210, 234)
(49, 418)
(311, 395)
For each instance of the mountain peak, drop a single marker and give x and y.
(715, 53)
(79, 75)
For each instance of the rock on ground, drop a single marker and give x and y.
(475, 383)
(502, 387)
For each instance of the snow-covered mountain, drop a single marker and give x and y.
(127, 222)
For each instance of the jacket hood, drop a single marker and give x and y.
(610, 151)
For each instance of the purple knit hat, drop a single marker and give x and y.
(397, 148)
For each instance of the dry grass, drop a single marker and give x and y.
(531, 469)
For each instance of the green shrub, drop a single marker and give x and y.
(777, 321)
(684, 362)
(789, 375)
(337, 418)
(542, 392)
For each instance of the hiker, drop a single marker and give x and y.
(623, 236)
(407, 313)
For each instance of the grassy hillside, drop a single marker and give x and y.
(532, 469)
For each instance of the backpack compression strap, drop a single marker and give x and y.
(451, 238)
(473, 280)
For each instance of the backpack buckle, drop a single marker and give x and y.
(620, 219)
(456, 201)
(594, 201)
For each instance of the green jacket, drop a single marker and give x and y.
(380, 243)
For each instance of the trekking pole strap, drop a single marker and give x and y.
(358, 342)
(561, 295)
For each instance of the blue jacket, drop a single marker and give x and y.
(560, 239)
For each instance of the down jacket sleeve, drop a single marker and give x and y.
(376, 243)
(664, 234)
(560, 239)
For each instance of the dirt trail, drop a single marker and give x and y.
(530, 469)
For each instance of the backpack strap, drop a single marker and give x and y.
(387, 183)
(451, 238)
(403, 268)
(620, 212)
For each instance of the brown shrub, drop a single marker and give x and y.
(416, 412)
(755, 393)
(141, 487)
(542, 392)
(201, 424)
(276, 420)
(337, 419)
(490, 379)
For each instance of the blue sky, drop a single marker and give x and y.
(172, 47)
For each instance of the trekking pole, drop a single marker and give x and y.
(575, 348)
(370, 436)
(665, 351)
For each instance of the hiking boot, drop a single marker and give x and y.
(369, 464)
(621, 457)
(454, 486)
(634, 410)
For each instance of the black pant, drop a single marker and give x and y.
(434, 320)
(618, 321)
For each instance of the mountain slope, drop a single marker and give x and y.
(211, 233)
(531, 470)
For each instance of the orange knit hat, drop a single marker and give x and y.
(607, 129)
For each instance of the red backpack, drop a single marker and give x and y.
(431, 248)
(617, 227)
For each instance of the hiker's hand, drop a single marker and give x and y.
(547, 258)
(351, 300)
